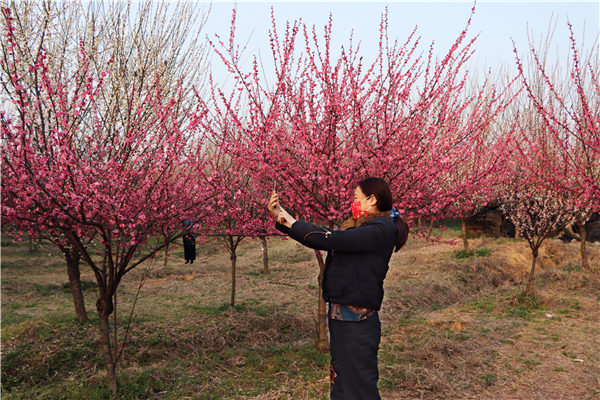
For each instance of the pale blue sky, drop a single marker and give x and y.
(496, 22)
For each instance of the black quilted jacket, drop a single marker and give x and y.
(357, 258)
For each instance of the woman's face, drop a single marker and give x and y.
(365, 202)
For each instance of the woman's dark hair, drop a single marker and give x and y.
(380, 189)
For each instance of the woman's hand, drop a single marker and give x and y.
(273, 205)
(286, 219)
(279, 214)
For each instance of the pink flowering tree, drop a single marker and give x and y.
(237, 201)
(293, 130)
(238, 212)
(537, 212)
(537, 209)
(431, 129)
(329, 119)
(568, 112)
(475, 169)
(84, 157)
(19, 58)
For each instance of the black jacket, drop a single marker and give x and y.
(357, 258)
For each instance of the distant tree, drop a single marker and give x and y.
(237, 202)
(537, 210)
(538, 213)
(567, 105)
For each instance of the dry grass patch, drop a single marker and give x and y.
(452, 329)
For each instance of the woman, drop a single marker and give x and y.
(355, 267)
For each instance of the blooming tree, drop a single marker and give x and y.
(470, 171)
(538, 210)
(17, 63)
(86, 156)
(538, 213)
(567, 107)
(237, 201)
(329, 119)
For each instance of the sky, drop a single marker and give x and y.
(496, 23)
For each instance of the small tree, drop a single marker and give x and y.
(537, 210)
(237, 203)
(537, 214)
(237, 207)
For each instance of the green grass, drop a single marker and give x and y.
(526, 306)
(210, 310)
(256, 272)
(446, 228)
(85, 285)
(55, 349)
(572, 303)
(571, 268)
(484, 305)
(490, 379)
(530, 363)
(463, 254)
(483, 252)
(138, 385)
(37, 368)
(10, 285)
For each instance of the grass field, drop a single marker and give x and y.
(454, 326)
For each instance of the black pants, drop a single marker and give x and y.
(353, 348)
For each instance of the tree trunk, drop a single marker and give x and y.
(583, 235)
(529, 287)
(233, 262)
(322, 342)
(464, 235)
(166, 255)
(263, 239)
(75, 282)
(30, 244)
(103, 313)
(517, 234)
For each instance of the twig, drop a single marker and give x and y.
(142, 280)
(283, 283)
